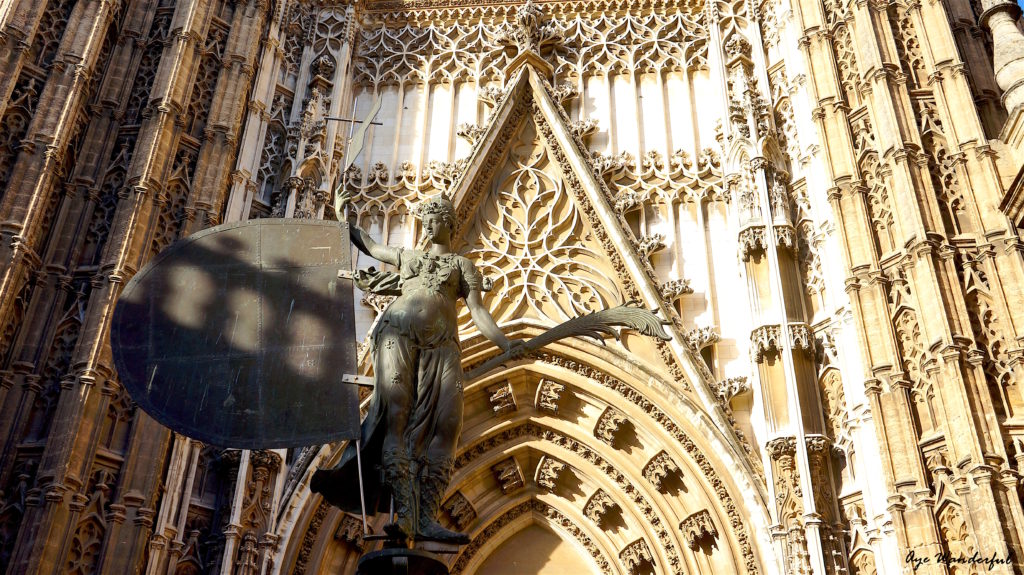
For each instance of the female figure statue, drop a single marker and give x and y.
(414, 420)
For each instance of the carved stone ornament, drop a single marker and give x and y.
(698, 528)
(491, 95)
(508, 475)
(502, 398)
(608, 425)
(350, 530)
(785, 236)
(649, 244)
(764, 340)
(730, 387)
(460, 510)
(599, 506)
(549, 394)
(530, 33)
(659, 468)
(565, 92)
(801, 338)
(470, 132)
(583, 128)
(702, 337)
(549, 470)
(608, 164)
(751, 240)
(628, 201)
(636, 555)
(674, 289)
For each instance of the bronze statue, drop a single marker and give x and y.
(412, 428)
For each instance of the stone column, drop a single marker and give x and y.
(15, 41)
(68, 456)
(1000, 17)
(224, 124)
(36, 172)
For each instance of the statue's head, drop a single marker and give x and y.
(440, 206)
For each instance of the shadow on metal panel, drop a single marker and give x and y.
(239, 335)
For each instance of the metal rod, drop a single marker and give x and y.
(336, 119)
(362, 497)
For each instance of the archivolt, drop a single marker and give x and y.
(663, 420)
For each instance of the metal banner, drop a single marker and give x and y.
(240, 335)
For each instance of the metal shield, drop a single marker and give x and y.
(239, 335)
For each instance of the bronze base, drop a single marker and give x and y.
(401, 561)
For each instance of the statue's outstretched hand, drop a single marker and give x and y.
(516, 348)
(342, 197)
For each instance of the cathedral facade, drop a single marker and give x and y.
(821, 197)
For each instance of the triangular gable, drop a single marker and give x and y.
(528, 99)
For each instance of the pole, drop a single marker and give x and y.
(362, 496)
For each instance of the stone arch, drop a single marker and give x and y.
(682, 498)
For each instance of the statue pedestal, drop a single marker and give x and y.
(401, 561)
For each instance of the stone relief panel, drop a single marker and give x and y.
(530, 239)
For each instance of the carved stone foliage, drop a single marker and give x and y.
(460, 510)
(730, 387)
(636, 556)
(549, 470)
(609, 425)
(531, 239)
(549, 394)
(575, 44)
(309, 538)
(470, 132)
(502, 398)
(699, 530)
(660, 468)
(508, 475)
(649, 244)
(675, 289)
(702, 337)
(599, 506)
